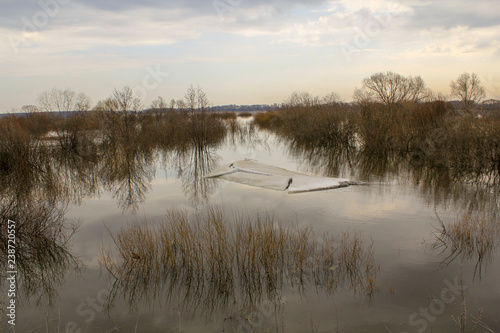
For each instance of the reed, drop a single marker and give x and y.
(211, 262)
(471, 237)
(245, 114)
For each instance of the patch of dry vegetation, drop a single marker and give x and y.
(471, 237)
(429, 133)
(213, 263)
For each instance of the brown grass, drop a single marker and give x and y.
(245, 114)
(471, 237)
(226, 115)
(211, 263)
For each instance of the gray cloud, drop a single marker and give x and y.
(200, 6)
(448, 14)
(13, 14)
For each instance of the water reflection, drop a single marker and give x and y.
(438, 186)
(209, 265)
(472, 237)
(125, 167)
(43, 258)
(191, 168)
(127, 172)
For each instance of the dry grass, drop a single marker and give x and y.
(268, 120)
(245, 114)
(226, 115)
(211, 263)
(471, 237)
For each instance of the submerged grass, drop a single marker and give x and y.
(212, 263)
(471, 237)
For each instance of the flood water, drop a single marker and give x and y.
(425, 277)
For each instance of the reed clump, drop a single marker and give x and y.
(471, 237)
(210, 262)
(226, 115)
(270, 120)
(245, 114)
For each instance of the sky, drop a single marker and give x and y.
(240, 51)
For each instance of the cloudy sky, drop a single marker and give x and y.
(240, 51)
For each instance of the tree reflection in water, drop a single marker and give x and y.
(127, 172)
(43, 257)
(192, 166)
(439, 186)
(210, 265)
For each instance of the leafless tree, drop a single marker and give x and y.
(302, 99)
(159, 104)
(29, 109)
(202, 99)
(82, 103)
(392, 89)
(125, 100)
(190, 98)
(331, 98)
(181, 104)
(469, 89)
(100, 106)
(63, 100)
(173, 104)
(68, 127)
(120, 118)
(196, 99)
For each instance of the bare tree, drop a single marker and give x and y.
(195, 99)
(392, 89)
(125, 100)
(68, 127)
(63, 100)
(190, 98)
(159, 104)
(469, 89)
(302, 99)
(181, 104)
(29, 109)
(331, 98)
(173, 104)
(202, 99)
(100, 106)
(82, 103)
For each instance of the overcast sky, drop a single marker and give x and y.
(240, 51)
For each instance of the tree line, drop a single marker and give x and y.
(388, 88)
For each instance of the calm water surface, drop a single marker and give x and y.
(398, 214)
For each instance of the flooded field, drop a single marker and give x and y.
(137, 240)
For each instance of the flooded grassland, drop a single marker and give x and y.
(119, 231)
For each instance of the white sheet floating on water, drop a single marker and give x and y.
(253, 173)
